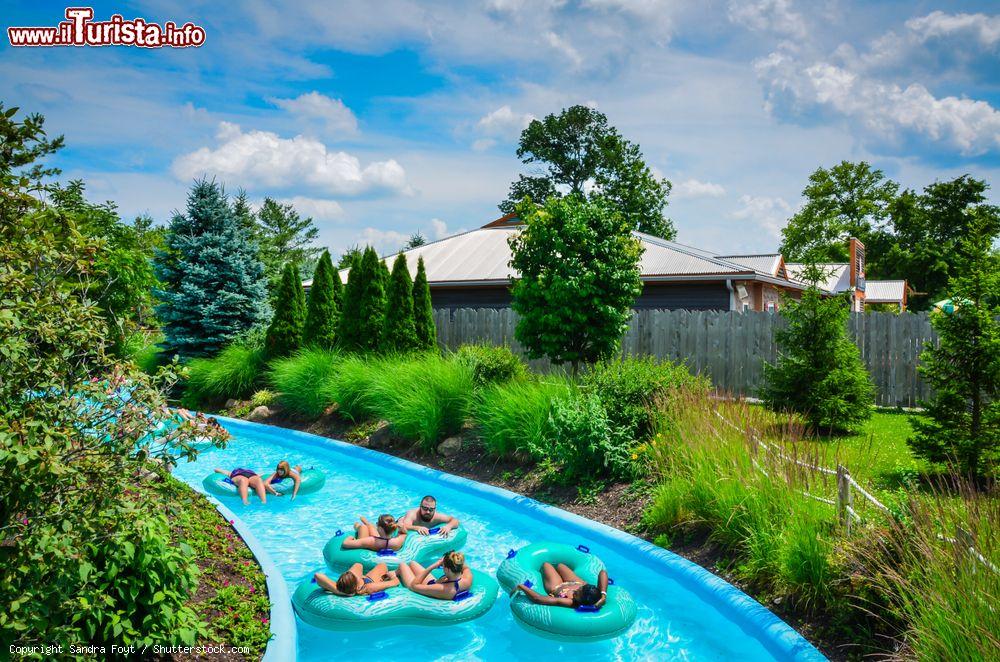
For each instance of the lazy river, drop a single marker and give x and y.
(685, 613)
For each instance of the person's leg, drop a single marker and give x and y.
(297, 469)
(376, 573)
(242, 486)
(397, 542)
(258, 485)
(550, 578)
(325, 582)
(567, 573)
(367, 542)
(405, 573)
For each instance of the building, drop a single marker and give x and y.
(472, 270)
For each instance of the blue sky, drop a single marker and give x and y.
(379, 119)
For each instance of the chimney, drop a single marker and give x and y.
(857, 271)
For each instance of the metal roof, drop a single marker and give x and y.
(838, 275)
(884, 291)
(767, 264)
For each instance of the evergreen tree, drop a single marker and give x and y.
(338, 289)
(819, 373)
(322, 316)
(399, 333)
(423, 313)
(284, 237)
(363, 315)
(284, 335)
(213, 285)
(961, 423)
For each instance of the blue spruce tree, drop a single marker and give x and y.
(213, 285)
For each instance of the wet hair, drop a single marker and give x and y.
(383, 523)
(454, 561)
(429, 498)
(347, 583)
(284, 469)
(588, 595)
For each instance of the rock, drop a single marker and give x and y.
(450, 446)
(381, 436)
(230, 403)
(259, 414)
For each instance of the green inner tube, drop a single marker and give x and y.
(312, 481)
(422, 549)
(399, 606)
(563, 623)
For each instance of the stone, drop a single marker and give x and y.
(381, 436)
(230, 403)
(450, 446)
(259, 414)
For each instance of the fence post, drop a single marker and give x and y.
(843, 497)
(963, 542)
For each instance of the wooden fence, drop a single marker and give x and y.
(730, 347)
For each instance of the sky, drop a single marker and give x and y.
(381, 119)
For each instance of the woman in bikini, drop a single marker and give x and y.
(285, 471)
(565, 589)
(244, 479)
(353, 582)
(457, 577)
(386, 535)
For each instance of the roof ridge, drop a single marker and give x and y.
(680, 248)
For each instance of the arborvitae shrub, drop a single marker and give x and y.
(322, 315)
(399, 333)
(423, 313)
(284, 336)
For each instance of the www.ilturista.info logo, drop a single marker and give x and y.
(79, 29)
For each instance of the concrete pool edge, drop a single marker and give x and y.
(282, 646)
(774, 633)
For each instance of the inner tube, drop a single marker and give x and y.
(523, 566)
(395, 606)
(422, 549)
(312, 480)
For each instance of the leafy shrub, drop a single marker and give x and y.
(234, 373)
(145, 352)
(514, 417)
(584, 443)
(630, 388)
(305, 380)
(491, 364)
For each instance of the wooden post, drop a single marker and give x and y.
(843, 497)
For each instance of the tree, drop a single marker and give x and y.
(416, 239)
(399, 333)
(363, 315)
(338, 289)
(284, 335)
(212, 281)
(819, 373)
(244, 213)
(346, 260)
(847, 200)
(423, 312)
(323, 313)
(961, 423)
(283, 237)
(578, 266)
(585, 155)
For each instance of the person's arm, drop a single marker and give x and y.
(222, 471)
(449, 524)
(375, 587)
(542, 599)
(408, 523)
(269, 488)
(431, 590)
(422, 577)
(602, 585)
(270, 478)
(298, 481)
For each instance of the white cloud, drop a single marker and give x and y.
(977, 27)
(775, 16)
(692, 188)
(264, 159)
(768, 213)
(384, 242)
(887, 111)
(503, 122)
(483, 144)
(439, 229)
(316, 208)
(561, 45)
(313, 105)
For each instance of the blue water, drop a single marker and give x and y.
(674, 621)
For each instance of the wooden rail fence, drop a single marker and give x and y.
(730, 347)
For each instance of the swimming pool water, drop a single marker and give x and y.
(676, 621)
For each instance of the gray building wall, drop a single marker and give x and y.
(660, 296)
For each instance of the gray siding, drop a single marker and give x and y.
(658, 296)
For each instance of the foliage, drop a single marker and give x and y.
(631, 388)
(283, 237)
(819, 373)
(284, 335)
(961, 423)
(580, 150)
(513, 417)
(233, 373)
(491, 364)
(363, 314)
(399, 333)
(585, 444)
(305, 381)
(416, 240)
(579, 268)
(423, 313)
(213, 286)
(77, 557)
(323, 313)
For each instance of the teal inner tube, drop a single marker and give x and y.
(395, 606)
(312, 480)
(422, 549)
(523, 566)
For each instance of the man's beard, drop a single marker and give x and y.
(425, 519)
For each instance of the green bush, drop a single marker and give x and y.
(145, 352)
(514, 417)
(491, 364)
(305, 380)
(352, 385)
(234, 373)
(630, 388)
(584, 443)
